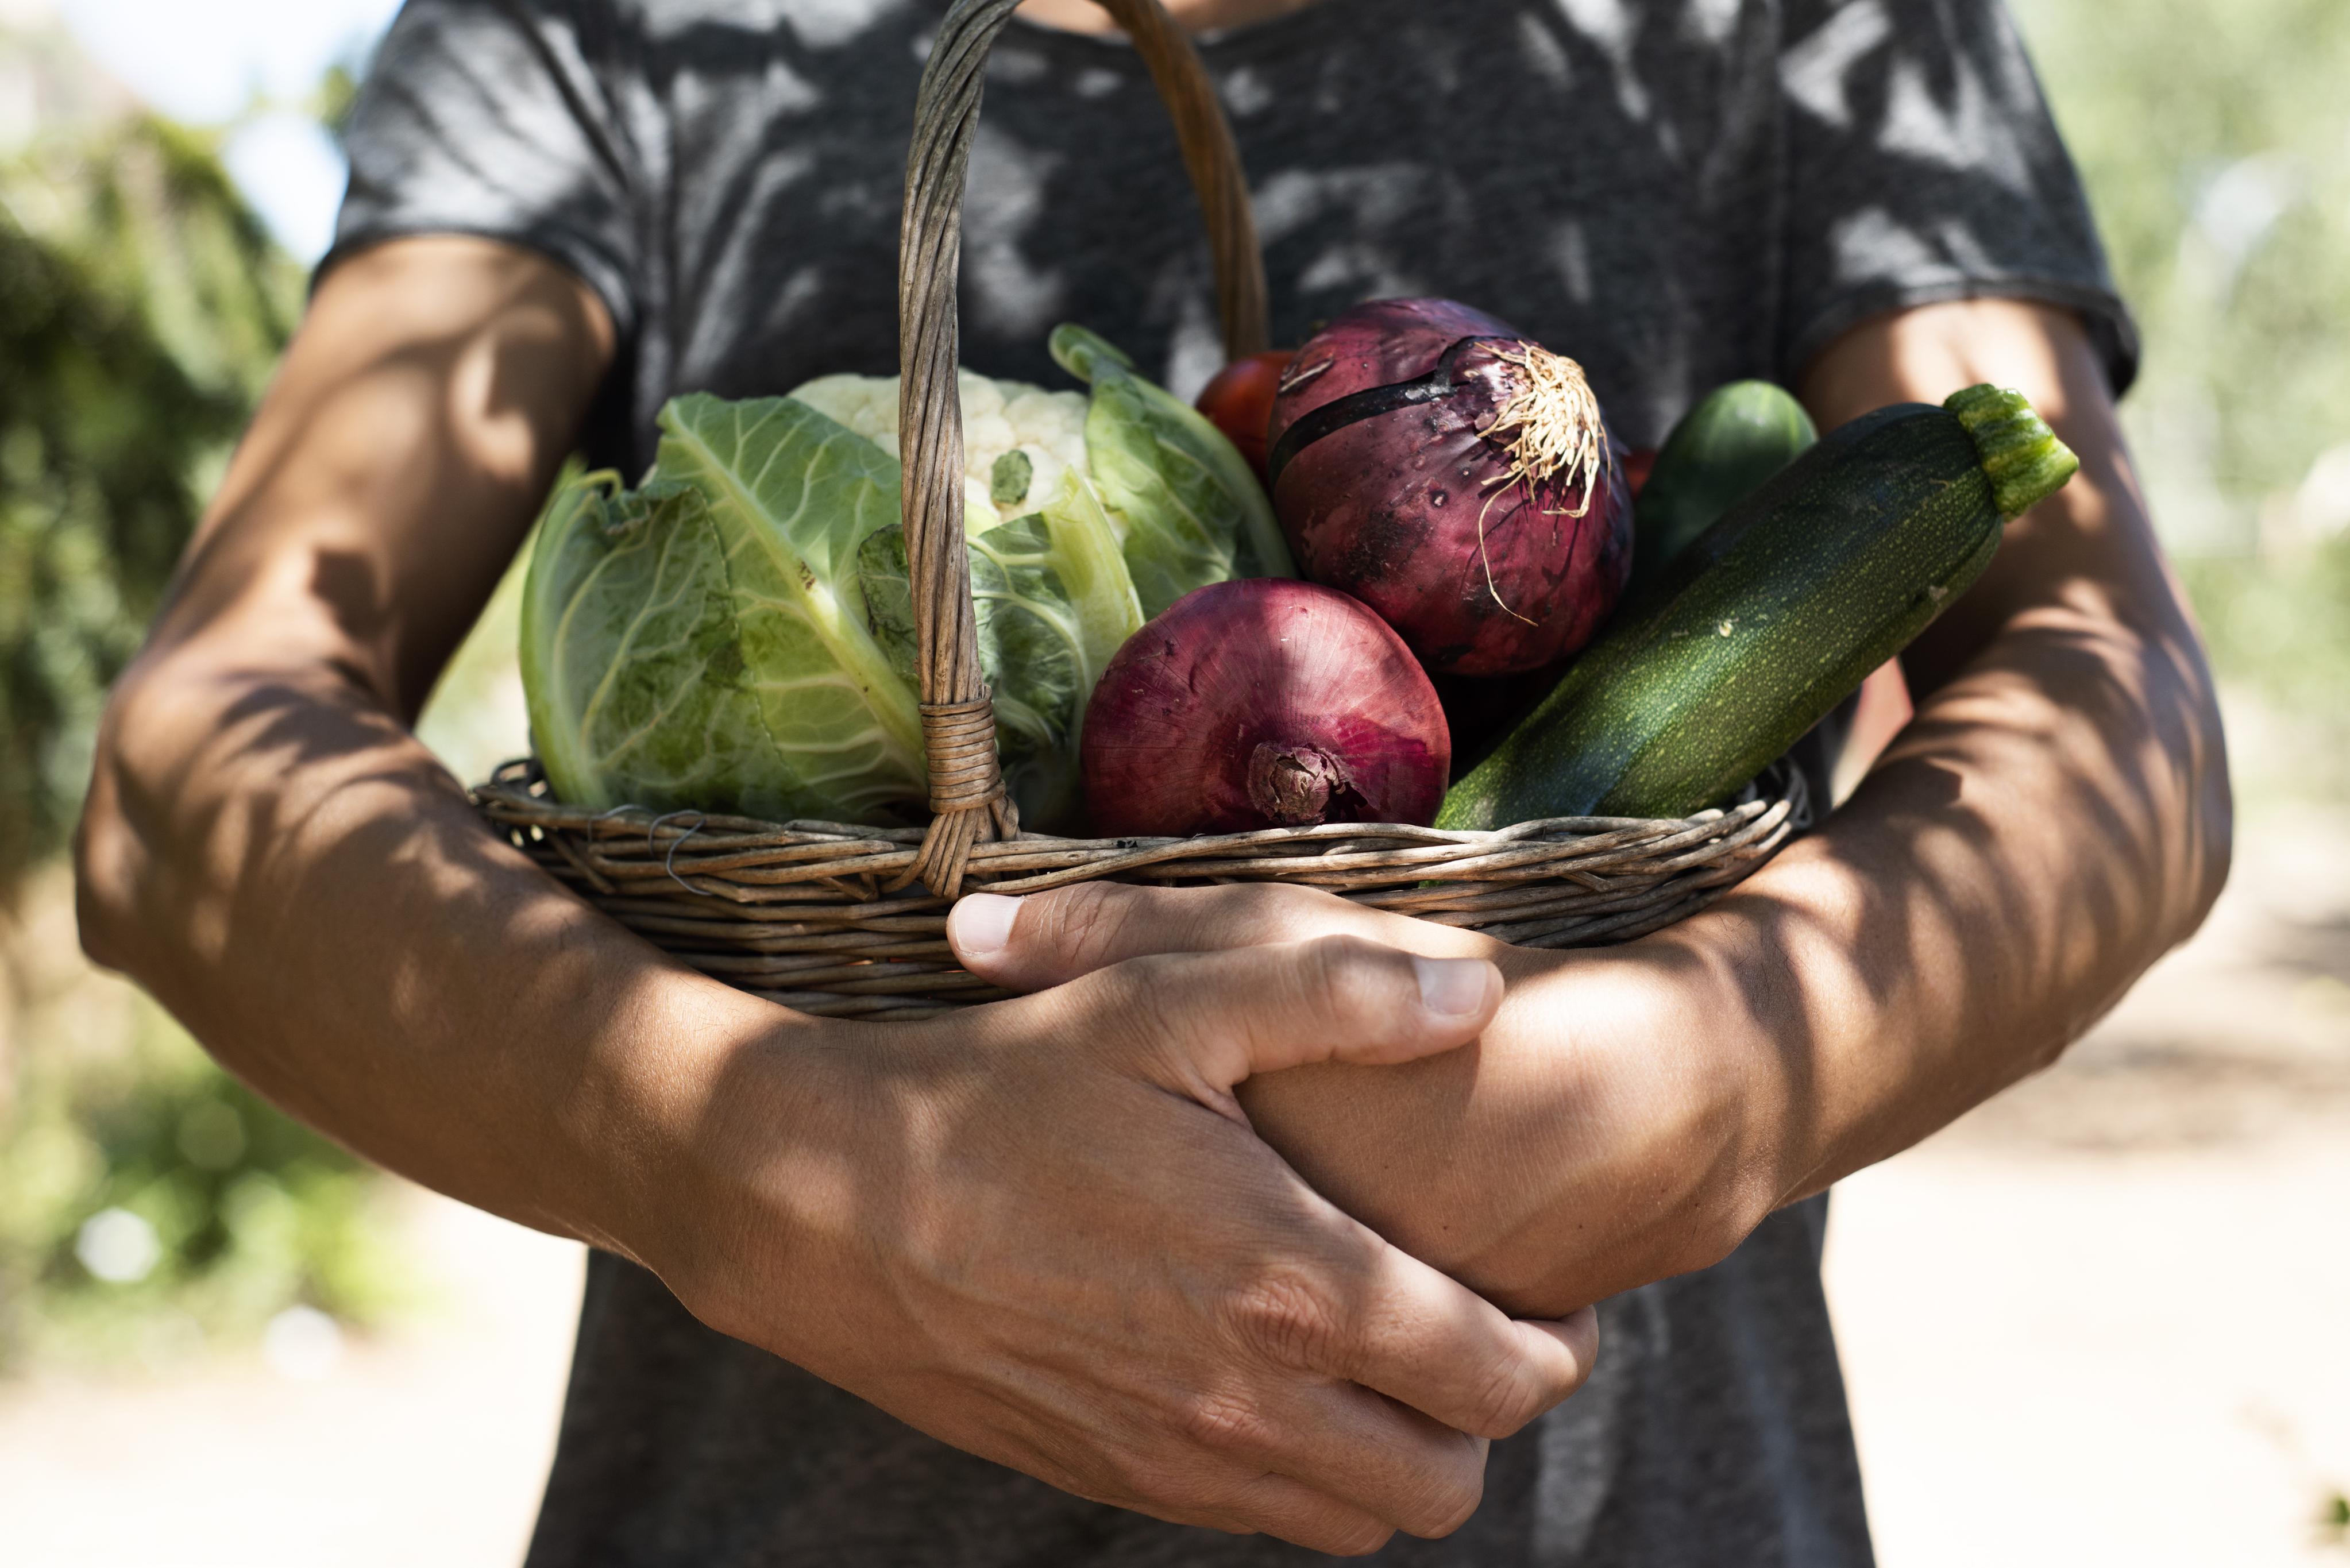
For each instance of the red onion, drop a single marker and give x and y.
(1263, 704)
(1457, 477)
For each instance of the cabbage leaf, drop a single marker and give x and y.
(701, 642)
(1189, 508)
(1052, 603)
(632, 662)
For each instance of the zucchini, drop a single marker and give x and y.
(1720, 452)
(1772, 615)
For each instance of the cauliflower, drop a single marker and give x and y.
(1017, 439)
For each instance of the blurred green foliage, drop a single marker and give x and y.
(141, 308)
(149, 1204)
(2215, 139)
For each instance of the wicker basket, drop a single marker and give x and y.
(850, 922)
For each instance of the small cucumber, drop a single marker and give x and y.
(1720, 452)
(1772, 615)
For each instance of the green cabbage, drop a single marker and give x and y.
(702, 641)
(736, 633)
(1190, 510)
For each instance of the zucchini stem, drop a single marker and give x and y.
(2021, 455)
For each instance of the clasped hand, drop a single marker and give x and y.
(1045, 1231)
(1625, 1114)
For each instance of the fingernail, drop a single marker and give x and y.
(981, 924)
(1452, 988)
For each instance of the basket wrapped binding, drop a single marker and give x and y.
(845, 920)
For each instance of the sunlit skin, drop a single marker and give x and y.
(1196, 16)
(1041, 1230)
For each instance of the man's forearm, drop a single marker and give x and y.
(269, 850)
(2051, 821)
(302, 884)
(2055, 818)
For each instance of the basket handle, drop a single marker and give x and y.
(967, 803)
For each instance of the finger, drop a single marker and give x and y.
(1291, 1511)
(1220, 1017)
(1048, 939)
(1578, 1332)
(1398, 1326)
(1366, 1450)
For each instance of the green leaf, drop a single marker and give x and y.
(1055, 602)
(1189, 508)
(632, 661)
(885, 579)
(815, 487)
(703, 641)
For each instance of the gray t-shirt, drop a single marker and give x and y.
(1677, 193)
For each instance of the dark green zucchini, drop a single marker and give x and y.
(1774, 615)
(1720, 452)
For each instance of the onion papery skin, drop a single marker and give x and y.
(1411, 509)
(1264, 702)
(1375, 344)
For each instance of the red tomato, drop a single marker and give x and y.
(1239, 402)
(1638, 463)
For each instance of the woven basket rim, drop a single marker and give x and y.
(518, 797)
(806, 914)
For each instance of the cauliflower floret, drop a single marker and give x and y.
(1051, 428)
(866, 404)
(979, 509)
(981, 395)
(999, 419)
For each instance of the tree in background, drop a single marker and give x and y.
(2215, 139)
(141, 308)
(149, 1204)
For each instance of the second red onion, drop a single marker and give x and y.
(1264, 702)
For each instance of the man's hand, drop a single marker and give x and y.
(1038, 1230)
(2054, 817)
(1044, 1233)
(1597, 1136)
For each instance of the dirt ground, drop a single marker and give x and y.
(2105, 1319)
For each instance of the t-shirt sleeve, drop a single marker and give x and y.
(486, 118)
(1923, 166)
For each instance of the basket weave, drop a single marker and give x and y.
(845, 921)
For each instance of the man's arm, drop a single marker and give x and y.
(2054, 818)
(1040, 1231)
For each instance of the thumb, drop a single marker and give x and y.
(1047, 939)
(1224, 1016)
